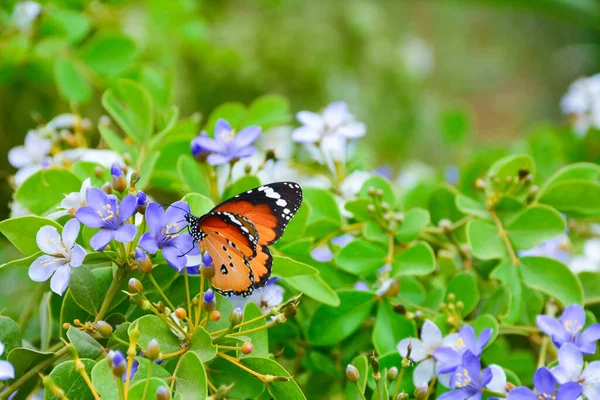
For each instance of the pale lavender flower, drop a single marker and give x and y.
(72, 202)
(25, 14)
(267, 297)
(422, 352)
(7, 371)
(227, 145)
(545, 388)
(449, 356)
(569, 329)
(468, 381)
(582, 104)
(62, 254)
(322, 253)
(31, 157)
(571, 368)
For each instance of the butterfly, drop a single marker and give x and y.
(236, 234)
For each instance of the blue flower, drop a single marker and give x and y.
(227, 146)
(569, 369)
(7, 371)
(103, 212)
(322, 253)
(468, 381)
(545, 386)
(166, 233)
(569, 329)
(450, 357)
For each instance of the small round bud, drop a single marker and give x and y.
(399, 309)
(247, 169)
(379, 193)
(107, 188)
(104, 329)
(372, 191)
(209, 302)
(451, 307)
(207, 259)
(236, 316)
(419, 314)
(451, 297)
(144, 265)
(119, 182)
(163, 393)
(385, 205)
(290, 311)
(142, 202)
(410, 315)
(371, 208)
(421, 391)
(480, 184)
(445, 225)
(99, 172)
(135, 177)
(180, 313)
(117, 362)
(392, 374)
(399, 217)
(105, 120)
(215, 315)
(153, 350)
(247, 348)
(352, 373)
(208, 271)
(135, 286)
(66, 326)
(460, 305)
(270, 155)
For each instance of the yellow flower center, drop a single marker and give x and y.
(462, 379)
(107, 213)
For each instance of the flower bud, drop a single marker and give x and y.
(247, 348)
(374, 364)
(352, 373)
(209, 302)
(445, 225)
(236, 316)
(451, 297)
(99, 172)
(208, 271)
(371, 191)
(135, 286)
(392, 374)
(66, 326)
(144, 265)
(215, 316)
(385, 205)
(117, 362)
(290, 311)
(180, 313)
(379, 193)
(247, 169)
(480, 184)
(160, 307)
(207, 259)
(153, 350)
(135, 177)
(119, 182)
(371, 208)
(420, 392)
(142, 202)
(270, 155)
(399, 309)
(460, 305)
(163, 393)
(104, 329)
(105, 120)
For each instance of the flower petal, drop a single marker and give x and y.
(244, 152)
(7, 371)
(431, 335)
(522, 393)
(467, 334)
(353, 130)
(70, 232)
(498, 382)
(89, 217)
(148, 243)
(77, 256)
(402, 348)
(471, 363)
(544, 381)
(570, 360)
(222, 127)
(245, 137)
(448, 359)
(322, 254)
(591, 373)
(48, 240)
(43, 267)
(101, 239)
(574, 314)
(218, 159)
(306, 135)
(204, 143)
(96, 198)
(310, 119)
(127, 207)
(424, 372)
(155, 217)
(483, 340)
(125, 233)
(458, 394)
(569, 391)
(176, 214)
(18, 157)
(185, 244)
(551, 327)
(174, 257)
(591, 334)
(60, 279)
(336, 113)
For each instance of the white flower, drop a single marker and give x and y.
(62, 254)
(582, 103)
(31, 157)
(72, 201)
(350, 188)
(571, 369)
(17, 210)
(498, 382)
(62, 121)
(417, 57)
(422, 352)
(25, 13)
(7, 371)
(267, 297)
(105, 158)
(175, 331)
(589, 260)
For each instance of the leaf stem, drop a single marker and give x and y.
(399, 381)
(112, 291)
(504, 236)
(200, 298)
(187, 295)
(175, 354)
(159, 290)
(147, 379)
(237, 363)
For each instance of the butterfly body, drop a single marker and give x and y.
(236, 234)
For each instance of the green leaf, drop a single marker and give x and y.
(66, 377)
(280, 390)
(507, 272)
(151, 327)
(24, 359)
(199, 205)
(575, 197)
(362, 365)
(21, 232)
(146, 169)
(120, 333)
(578, 171)
(464, 288)
(381, 183)
(62, 21)
(149, 386)
(70, 311)
(191, 381)
(415, 220)
(297, 226)
(202, 345)
(535, 225)
(285, 267)
(104, 381)
(325, 216)
(591, 286)
(114, 141)
(553, 278)
(418, 259)
(469, 206)
(361, 257)
(86, 346)
(10, 335)
(129, 105)
(486, 321)
(315, 287)
(259, 339)
(158, 84)
(233, 113)
(267, 111)
(71, 82)
(45, 189)
(46, 321)
(83, 289)
(24, 262)
(109, 53)
(224, 373)
(390, 328)
(240, 186)
(485, 241)
(359, 209)
(510, 166)
(225, 308)
(190, 173)
(330, 325)
(442, 205)
(455, 125)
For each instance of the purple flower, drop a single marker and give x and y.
(266, 297)
(103, 212)
(468, 381)
(360, 285)
(227, 145)
(141, 198)
(322, 254)
(452, 174)
(569, 329)
(342, 240)
(62, 254)
(207, 259)
(422, 352)
(7, 371)
(569, 369)
(115, 170)
(545, 386)
(209, 296)
(450, 357)
(166, 233)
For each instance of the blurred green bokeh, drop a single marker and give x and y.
(431, 80)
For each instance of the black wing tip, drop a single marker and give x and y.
(269, 266)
